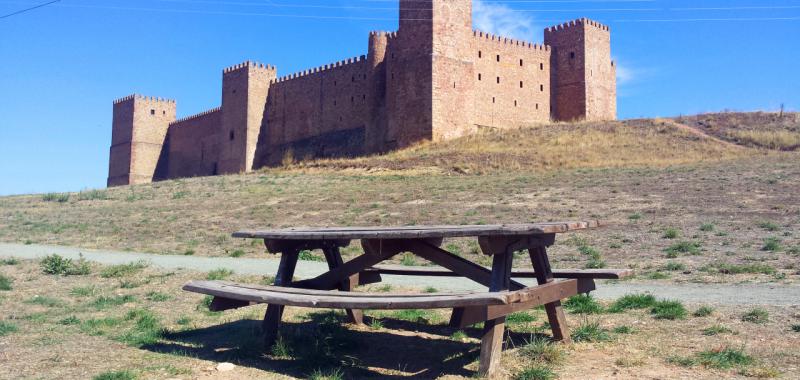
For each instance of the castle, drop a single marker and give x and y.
(435, 78)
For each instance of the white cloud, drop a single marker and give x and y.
(502, 20)
(625, 74)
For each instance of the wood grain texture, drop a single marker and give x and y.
(597, 274)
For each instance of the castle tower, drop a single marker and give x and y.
(244, 95)
(138, 136)
(428, 80)
(583, 76)
(375, 133)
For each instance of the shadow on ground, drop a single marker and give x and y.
(321, 342)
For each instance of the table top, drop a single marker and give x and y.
(416, 232)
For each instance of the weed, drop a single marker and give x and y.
(146, 330)
(237, 253)
(684, 361)
(670, 233)
(376, 324)
(459, 336)
(628, 362)
(419, 316)
(100, 326)
(538, 372)
(189, 252)
(157, 297)
(85, 291)
(56, 197)
(104, 302)
(7, 328)
(93, 195)
(281, 349)
(772, 244)
(634, 217)
(45, 301)
(633, 301)
(769, 226)
(542, 350)
(703, 311)
(520, 317)
(10, 261)
(622, 330)
(306, 255)
(219, 274)
(122, 270)
(116, 375)
(589, 251)
(658, 276)
(724, 358)
(745, 268)
(671, 310)
(794, 250)
(179, 195)
(183, 321)
(333, 374)
(430, 289)
(757, 315)
(760, 372)
(408, 260)
(58, 265)
(590, 332)
(595, 264)
(673, 266)
(707, 227)
(796, 328)
(5, 283)
(716, 330)
(583, 304)
(69, 321)
(692, 248)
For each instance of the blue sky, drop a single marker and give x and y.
(62, 65)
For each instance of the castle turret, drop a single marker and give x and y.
(139, 132)
(376, 60)
(583, 76)
(244, 95)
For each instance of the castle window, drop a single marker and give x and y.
(541, 87)
(334, 102)
(163, 112)
(493, 99)
(520, 84)
(541, 66)
(515, 103)
(479, 76)
(572, 55)
(334, 83)
(480, 54)
(537, 106)
(498, 58)
(498, 80)
(234, 91)
(152, 112)
(454, 84)
(231, 136)
(520, 62)
(364, 97)
(353, 79)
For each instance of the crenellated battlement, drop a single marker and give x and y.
(509, 41)
(249, 64)
(578, 22)
(350, 61)
(196, 116)
(153, 99)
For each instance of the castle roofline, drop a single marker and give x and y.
(578, 22)
(145, 98)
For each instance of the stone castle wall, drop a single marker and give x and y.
(435, 78)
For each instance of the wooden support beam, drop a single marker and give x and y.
(374, 253)
(494, 329)
(544, 275)
(274, 314)
(334, 258)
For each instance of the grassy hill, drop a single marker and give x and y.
(645, 177)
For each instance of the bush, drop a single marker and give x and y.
(769, 226)
(707, 227)
(5, 283)
(542, 350)
(796, 328)
(9, 261)
(716, 330)
(538, 372)
(756, 315)
(692, 248)
(590, 332)
(306, 255)
(219, 274)
(670, 233)
(724, 358)
(673, 266)
(633, 301)
(668, 310)
(7, 328)
(116, 375)
(92, 195)
(583, 304)
(704, 311)
(57, 265)
(56, 197)
(122, 270)
(771, 244)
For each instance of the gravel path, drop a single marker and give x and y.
(747, 294)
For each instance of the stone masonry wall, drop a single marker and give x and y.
(194, 145)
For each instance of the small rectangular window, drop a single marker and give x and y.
(572, 55)
(498, 58)
(541, 87)
(479, 76)
(493, 99)
(480, 54)
(515, 103)
(520, 62)
(498, 80)
(541, 66)
(520, 84)
(152, 112)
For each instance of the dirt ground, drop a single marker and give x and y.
(82, 326)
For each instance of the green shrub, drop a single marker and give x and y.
(537, 372)
(219, 274)
(673, 266)
(633, 301)
(238, 253)
(84, 291)
(520, 317)
(724, 358)
(146, 330)
(744, 268)
(692, 248)
(10, 261)
(756, 315)
(56, 197)
(45, 301)
(93, 195)
(5, 283)
(58, 265)
(331, 374)
(542, 350)
(122, 270)
(703, 311)
(157, 297)
(306, 255)
(622, 330)
(668, 310)
(771, 244)
(69, 321)
(595, 264)
(7, 328)
(408, 260)
(670, 233)
(590, 332)
(104, 302)
(796, 328)
(458, 336)
(707, 227)
(116, 375)
(583, 304)
(658, 276)
(716, 330)
(635, 216)
(769, 226)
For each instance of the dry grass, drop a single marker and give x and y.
(767, 130)
(777, 140)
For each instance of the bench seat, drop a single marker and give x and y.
(435, 271)
(229, 295)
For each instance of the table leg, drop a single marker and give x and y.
(334, 258)
(555, 313)
(272, 318)
(494, 330)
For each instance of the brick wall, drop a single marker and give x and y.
(194, 145)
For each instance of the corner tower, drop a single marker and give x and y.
(244, 96)
(583, 76)
(138, 137)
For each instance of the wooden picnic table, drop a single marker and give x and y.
(332, 289)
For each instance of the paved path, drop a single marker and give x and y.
(750, 294)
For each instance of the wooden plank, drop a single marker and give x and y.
(436, 271)
(202, 284)
(334, 259)
(417, 232)
(374, 253)
(555, 312)
(494, 329)
(274, 313)
(346, 300)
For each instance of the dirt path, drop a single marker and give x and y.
(747, 294)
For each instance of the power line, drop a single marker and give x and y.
(28, 9)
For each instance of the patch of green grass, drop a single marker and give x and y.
(146, 329)
(459, 336)
(408, 260)
(633, 301)
(179, 194)
(100, 326)
(184, 321)
(796, 328)
(595, 264)
(104, 302)
(583, 304)
(520, 317)
(58, 265)
(537, 372)
(93, 195)
(692, 248)
(238, 253)
(69, 321)
(430, 289)
(281, 349)
(10, 261)
(622, 330)
(726, 268)
(635, 216)
(45, 301)
(724, 358)
(376, 324)
(116, 375)
(674, 266)
(670, 310)
(188, 252)
(757, 315)
(157, 296)
(703, 311)
(769, 226)
(671, 233)
(716, 330)
(707, 227)
(306, 255)
(56, 197)
(590, 332)
(5, 283)
(7, 328)
(83, 291)
(205, 305)
(330, 374)
(219, 274)
(658, 276)
(123, 270)
(416, 315)
(772, 244)
(684, 361)
(542, 350)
